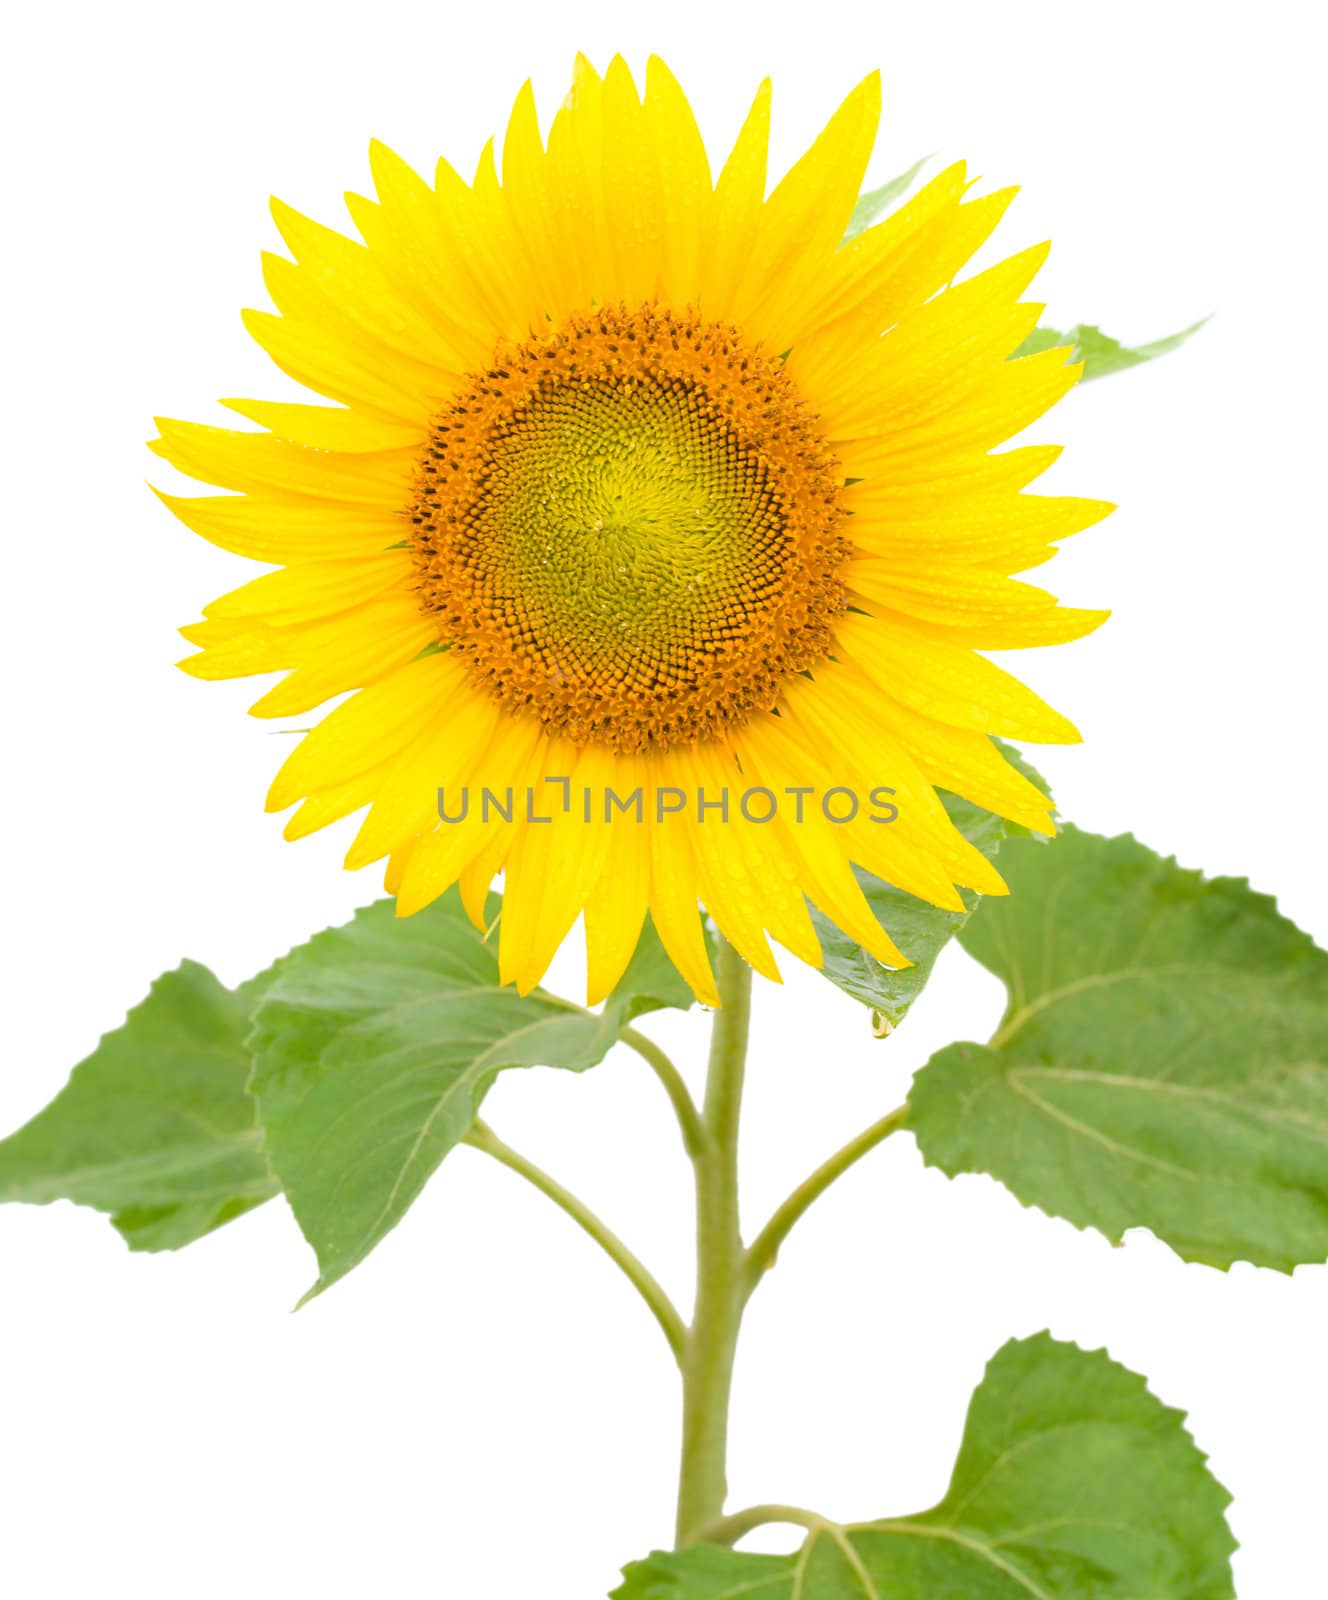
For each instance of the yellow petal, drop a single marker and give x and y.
(772, 761)
(439, 858)
(743, 879)
(739, 196)
(314, 589)
(929, 362)
(426, 245)
(673, 892)
(475, 882)
(896, 266)
(331, 805)
(1004, 532)
(366, 730)
(339, 276)
(1015, 394)
(968, 764)
(441, 753)
(615, 909)
(632, 202)
(327, 427)
(307, 356)
(332, 656)
(921, 851)
(949, 683)
(554, 864)
(683, 180)
(727, 893)
(258, 461)
(575, 142)
(803, 221)
(534, 210)
(279, 528)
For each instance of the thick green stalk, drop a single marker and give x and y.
(711, 1344)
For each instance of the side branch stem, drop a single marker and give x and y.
(765, 1247)
(712, 1340)
(689, 1118)
(728, 1530)
(482, 1137)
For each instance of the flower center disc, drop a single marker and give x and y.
(631, 528)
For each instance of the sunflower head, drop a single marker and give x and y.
(641, 493)
(631, 528)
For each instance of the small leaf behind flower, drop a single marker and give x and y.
(920, 930)
(1100, 353)
(1072, 1483)
(1163, 1062)
(155, 1126)
(651, 982)
(874, 203)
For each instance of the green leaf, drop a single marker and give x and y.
(651, 981)
(376, 1045)
(707, 1572)
(920, 930)
(155, 1126)
(1073, 1483)
(1163, 1062)
(874, 203)
(1100, 353)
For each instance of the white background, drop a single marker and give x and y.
(483, 1410)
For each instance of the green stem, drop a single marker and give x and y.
(765, 1247)
(689, 1118)
(728, 1530)
(711, 1344)
(482, 1137)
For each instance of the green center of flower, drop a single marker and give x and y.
(631, 529)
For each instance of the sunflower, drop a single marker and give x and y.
(643, 494)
